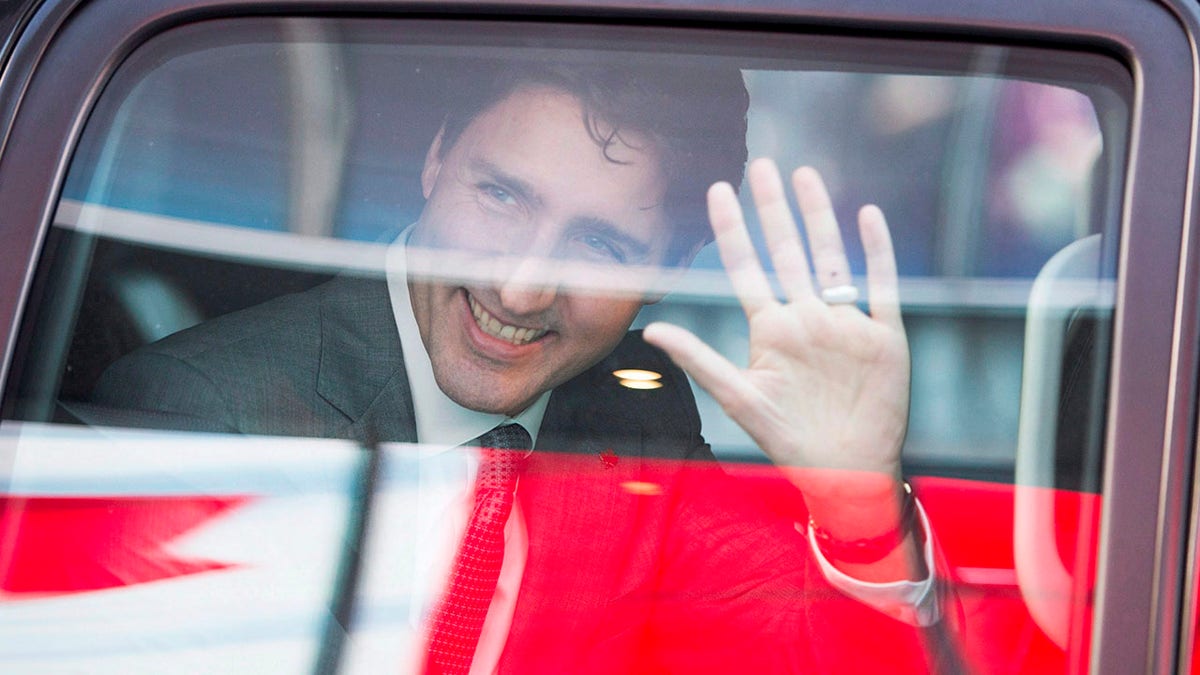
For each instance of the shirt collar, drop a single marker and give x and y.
(442, 424)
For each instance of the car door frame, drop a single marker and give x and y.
(67, 51)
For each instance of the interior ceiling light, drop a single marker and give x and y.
(636, 378)
(641, 384)
(636, 374)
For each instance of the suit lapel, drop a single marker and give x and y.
(361, 370)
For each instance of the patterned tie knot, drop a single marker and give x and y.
(503, 450)
(507, 437)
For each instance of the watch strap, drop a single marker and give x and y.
(873, 549)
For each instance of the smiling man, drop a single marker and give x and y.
(558, 201)
(503, 194)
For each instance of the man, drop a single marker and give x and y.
(559, 201)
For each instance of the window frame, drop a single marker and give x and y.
(69, 50)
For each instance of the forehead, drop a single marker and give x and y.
(568, 157)
(554, 103)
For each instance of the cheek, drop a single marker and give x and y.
(460, 222)
(426, 303)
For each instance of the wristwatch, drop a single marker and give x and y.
(873, 549)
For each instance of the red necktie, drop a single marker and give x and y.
(459, 617)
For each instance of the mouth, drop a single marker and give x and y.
(516, 335)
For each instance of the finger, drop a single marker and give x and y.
(779, 228)
(820, 223)
(712, 371)
(883, 283)
(737, 251)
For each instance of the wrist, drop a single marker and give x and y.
(841, 486)
(862, 543)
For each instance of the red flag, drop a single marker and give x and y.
(59, 545)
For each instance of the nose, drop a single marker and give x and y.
(530, 287)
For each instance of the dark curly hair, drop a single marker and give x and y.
(694, 115)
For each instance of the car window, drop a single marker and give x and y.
(239, 191)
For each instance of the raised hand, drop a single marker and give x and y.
(826, 389)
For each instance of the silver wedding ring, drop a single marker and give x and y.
(840, 295)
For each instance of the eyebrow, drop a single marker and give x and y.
(638, 250)
(514, 184)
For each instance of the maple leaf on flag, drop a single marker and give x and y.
(52, 545)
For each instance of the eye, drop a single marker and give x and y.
(600, 246)
(498, 194)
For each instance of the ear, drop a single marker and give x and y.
(671, 276)
(433, 164)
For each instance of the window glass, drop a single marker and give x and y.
(385, 237)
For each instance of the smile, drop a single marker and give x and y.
(513, 334)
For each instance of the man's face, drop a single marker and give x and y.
(531, 228)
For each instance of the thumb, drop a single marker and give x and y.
(712, 371)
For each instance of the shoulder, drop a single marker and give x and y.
(663, 417)
(284, 325)
(291, 317)
(258, 368)
(672, 401)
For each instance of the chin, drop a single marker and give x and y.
(482, 400)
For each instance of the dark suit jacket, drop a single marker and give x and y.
(643, 556)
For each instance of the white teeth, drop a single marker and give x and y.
(514, 334)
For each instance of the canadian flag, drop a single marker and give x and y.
(52, 545)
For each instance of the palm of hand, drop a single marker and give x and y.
(833, 387)
(826, 385)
